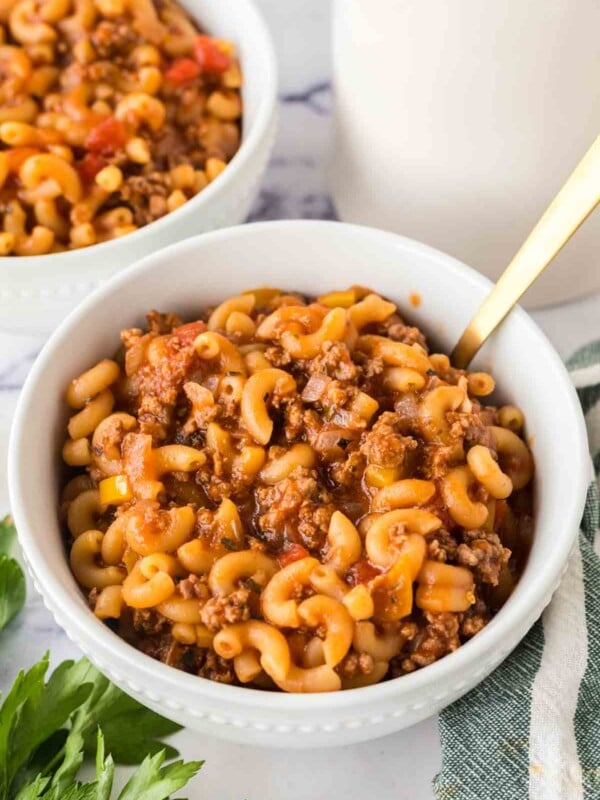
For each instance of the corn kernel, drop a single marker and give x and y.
(115, 490)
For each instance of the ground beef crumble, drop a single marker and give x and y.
(357, 664)
(384, 445)
(397, 329)
(297, 508)
(176, 398)
(438, 637)
(472, 428)
(215, 668)
(484, 554)
(345, 473)
(441, 546)
(334, 361)
(147, 196)
(474, 619)
(148, 621)
(193, 586)
(226, 610)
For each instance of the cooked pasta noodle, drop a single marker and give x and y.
(290, 494)
(112, 114)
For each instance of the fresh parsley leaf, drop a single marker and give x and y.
(8, 533)
(47, 728)
(105, 770)
(152, 781)
(79, 791)
(27, 685)
(130, 730)
(72, 761)
(12, 579)
(33, 790)
(47, 712)
(12, 589)
(128, 740)
(45, 756)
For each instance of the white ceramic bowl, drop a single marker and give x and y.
(37, 292)
(311, 257)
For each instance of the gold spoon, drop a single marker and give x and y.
(570, 208)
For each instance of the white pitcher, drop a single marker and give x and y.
(457, 121)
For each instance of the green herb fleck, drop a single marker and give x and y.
(229, 543)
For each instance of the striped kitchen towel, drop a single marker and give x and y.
(531, 730)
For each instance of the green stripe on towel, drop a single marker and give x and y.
(544, 699)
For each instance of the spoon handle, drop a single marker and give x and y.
(572, 205)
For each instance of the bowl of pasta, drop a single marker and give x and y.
(124, 127)
(266, 480)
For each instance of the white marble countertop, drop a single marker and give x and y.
(399, 767)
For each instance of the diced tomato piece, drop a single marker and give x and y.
(293, 552)
(188, 332)
(209, 55)
(183, 70)
(108, 136)
(362, 572)
(89, 166)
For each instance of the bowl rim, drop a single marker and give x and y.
(248, 144)
(82, 625)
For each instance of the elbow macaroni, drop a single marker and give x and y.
(258, 388)
(245, 494)
(89, 95)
